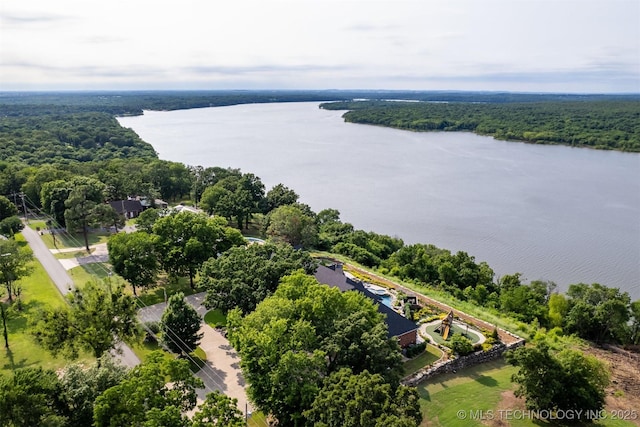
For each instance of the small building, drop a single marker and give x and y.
(399, 326)
(128, 208)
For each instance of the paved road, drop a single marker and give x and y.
(222, 370)
(64, 283)
(56, 271)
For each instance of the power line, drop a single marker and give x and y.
(40, 215)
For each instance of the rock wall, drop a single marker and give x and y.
(458, 363)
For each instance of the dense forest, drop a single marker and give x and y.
(612, 124)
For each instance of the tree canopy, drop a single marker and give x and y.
(100, 315)
(133, 256)
(286, 342)
(186, 240)
(180, 324)
(159, 389)
(569, 380)
(606, 124)
(243, 276)
(363, 400)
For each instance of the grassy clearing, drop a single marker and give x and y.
(429, 356)
(485, 388)
(475, 389)
(215, 318)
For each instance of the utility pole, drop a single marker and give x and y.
(24, 207)
(4, 323)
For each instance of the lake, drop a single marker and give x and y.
(550, 212)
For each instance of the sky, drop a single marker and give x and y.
(584, 46)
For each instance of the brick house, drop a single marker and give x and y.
(399, 326)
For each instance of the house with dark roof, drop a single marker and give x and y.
(399, 326)
(128, 208)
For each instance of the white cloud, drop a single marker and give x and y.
(465, 44)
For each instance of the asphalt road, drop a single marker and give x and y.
(64, 283)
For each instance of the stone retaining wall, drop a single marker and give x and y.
(462, 362)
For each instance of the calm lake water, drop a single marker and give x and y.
(556, 213)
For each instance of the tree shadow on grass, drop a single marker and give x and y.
(13, 365)
(486, 381)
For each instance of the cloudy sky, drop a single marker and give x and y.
(515, 45)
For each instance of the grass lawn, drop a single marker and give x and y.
(257, 419)
(157, 294)
(64, 239)
(38, 293)
(84, 273)
(429, 356)
(479, 388)
(143, 349)
(215, 318)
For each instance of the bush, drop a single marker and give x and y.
(460, 345)
(416, 350)
(151, 332)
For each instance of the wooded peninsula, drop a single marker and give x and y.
(612, 124)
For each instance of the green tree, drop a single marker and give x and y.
(133, 257)
(218, 410)
(153, 392)
(460, 344)
(558, 307)
(7, 208)
(14, 264)
(173, 180)
(278, 196)
(289, 224)
(52, 197)
(147, 219)
(286, 342)
(82, 205)
(568, 381)
(180, 324)
(100, 315)
(363, 400)
(81, 385)
(31, 397)
(527, 302)
(217, 199)
(598, 313)
(242, 277)
(186, 240)
(10, 226)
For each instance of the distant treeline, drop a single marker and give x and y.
(64, 127)
(604, 123)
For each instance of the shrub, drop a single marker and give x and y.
(151, 332)
(416, 349)
(460, 345)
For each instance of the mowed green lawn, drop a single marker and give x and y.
(463, 398)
